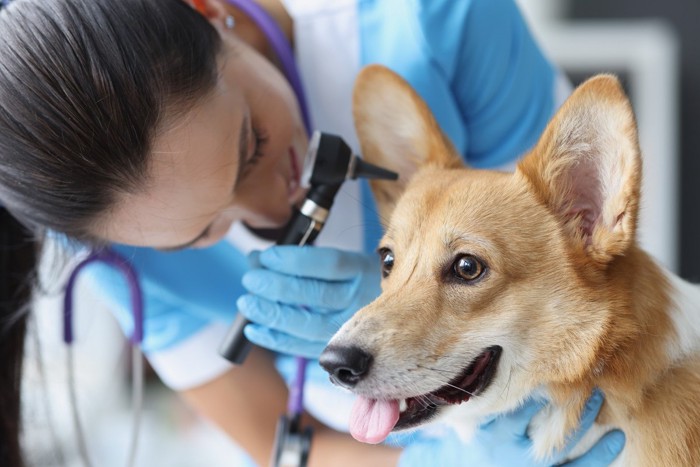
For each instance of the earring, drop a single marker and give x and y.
(229, 22)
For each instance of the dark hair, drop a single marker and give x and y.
(17, 257)
(84, 86)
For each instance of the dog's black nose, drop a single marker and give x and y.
(346, 365)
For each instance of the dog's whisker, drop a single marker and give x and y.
(439, 370)
(449, 385)
(506, 388)
(424, 401)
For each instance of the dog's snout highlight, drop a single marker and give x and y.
(346, 365)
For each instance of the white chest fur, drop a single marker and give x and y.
(685, 315)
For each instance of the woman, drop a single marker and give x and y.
(172, 137)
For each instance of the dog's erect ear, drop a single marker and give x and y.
(587, 168)
(397, 131)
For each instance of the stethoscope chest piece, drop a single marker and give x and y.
(292, 445)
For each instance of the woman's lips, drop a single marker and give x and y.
(294, 182)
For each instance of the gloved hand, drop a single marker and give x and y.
(503, 441)
(300, 296)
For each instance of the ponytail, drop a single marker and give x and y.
(18, 254)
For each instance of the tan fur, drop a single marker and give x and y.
(568, 294)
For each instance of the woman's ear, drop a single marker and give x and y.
(213, 10)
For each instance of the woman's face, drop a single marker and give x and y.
(237, 155)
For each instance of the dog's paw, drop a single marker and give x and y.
(548, 430)
(464, 424)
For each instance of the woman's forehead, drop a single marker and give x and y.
(194, 163)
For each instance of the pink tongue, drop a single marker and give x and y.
(372, 420)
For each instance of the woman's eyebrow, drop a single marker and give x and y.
(188, 244)
(242, 157)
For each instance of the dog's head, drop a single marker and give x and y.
(494, 283)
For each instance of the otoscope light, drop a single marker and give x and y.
(307, 171)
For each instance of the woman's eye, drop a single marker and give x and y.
(468, 268)
(261, 138)
(387, 260)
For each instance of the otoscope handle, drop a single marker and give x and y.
(302, 229)
(235, 346)
(292, 444)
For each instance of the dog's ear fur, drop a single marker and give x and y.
(586, 168)
(397, 131)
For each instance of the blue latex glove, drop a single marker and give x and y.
(504, 442)
(300, 296)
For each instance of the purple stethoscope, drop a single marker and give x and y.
(291, 445)
(111, 258)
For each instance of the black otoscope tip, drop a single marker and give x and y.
(364, 169)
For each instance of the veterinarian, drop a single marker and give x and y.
(171, 134)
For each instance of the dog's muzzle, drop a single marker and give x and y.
(373, 418)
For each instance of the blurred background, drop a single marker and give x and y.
(681, 18)
(649, 44)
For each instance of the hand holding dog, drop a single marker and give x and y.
(300, 296)
(503, 441)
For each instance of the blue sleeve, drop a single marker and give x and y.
(183, 291)
(503, 83)
(475, 64)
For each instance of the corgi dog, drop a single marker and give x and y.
(500, 286)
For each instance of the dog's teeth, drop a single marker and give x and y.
(403, 405)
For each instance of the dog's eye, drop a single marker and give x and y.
(468, 268)
(387, 259)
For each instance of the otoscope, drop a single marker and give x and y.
(329, 162)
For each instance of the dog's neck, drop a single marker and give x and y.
(653, 337)
(634, 352)
(640, 331)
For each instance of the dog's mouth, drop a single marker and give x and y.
(372, 419)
